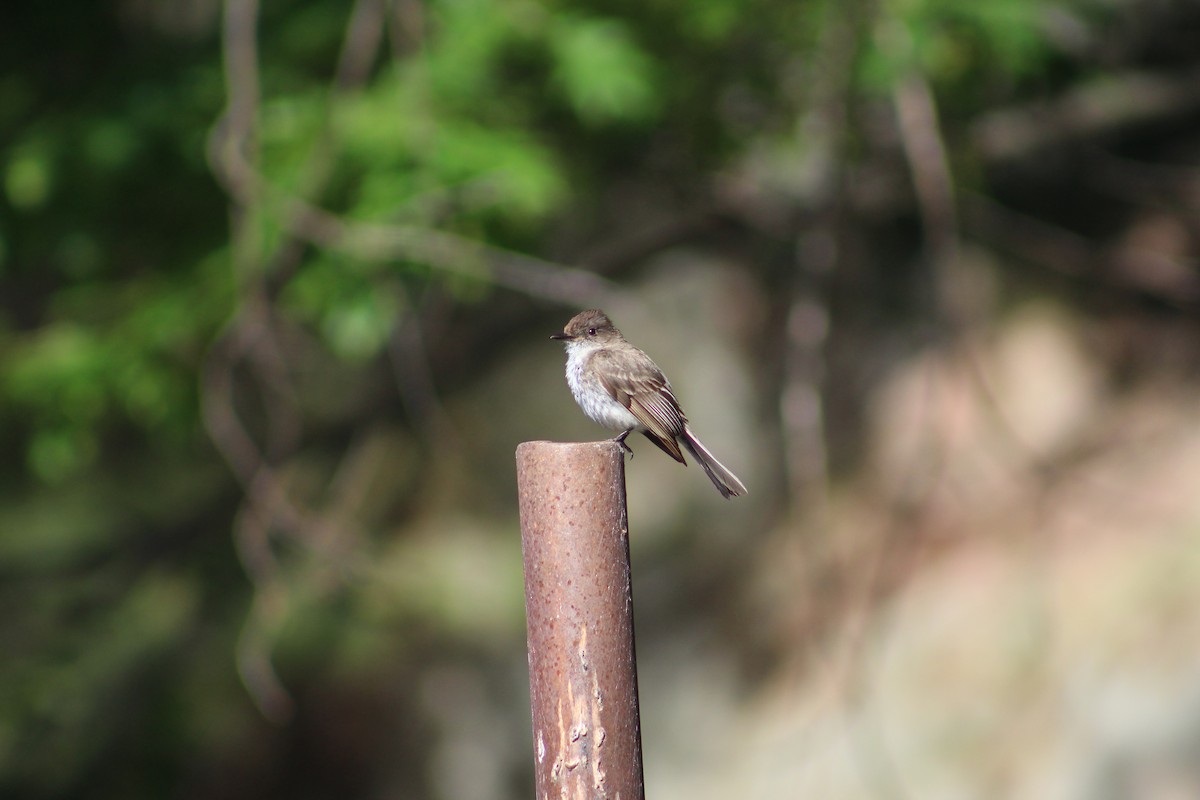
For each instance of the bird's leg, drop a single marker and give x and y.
(620, 439)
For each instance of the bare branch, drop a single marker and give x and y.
(1102, 106)
(364, 33)
(1154, 275)
(450, 253)
(925, 150)
(231, 145)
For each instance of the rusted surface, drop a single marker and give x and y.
(579, 612)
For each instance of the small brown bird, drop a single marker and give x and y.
(621, 388)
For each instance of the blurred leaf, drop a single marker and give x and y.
(58, 452)
(60, 371)
(49, 528)
(500, 170)
(386, 125)
(79, 254)
(66, 704)
(353, 311)
(710, 20)
(604, 74)
(29, 177)
(950, 41)
(461, 60)
(289, 127)
(358, 328)
(111, 144)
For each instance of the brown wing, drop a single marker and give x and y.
(637, 383)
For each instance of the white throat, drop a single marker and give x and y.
(589, 392)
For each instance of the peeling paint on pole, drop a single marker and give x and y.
(579, 613)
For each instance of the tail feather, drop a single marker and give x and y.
(726, 482)
(668, 446)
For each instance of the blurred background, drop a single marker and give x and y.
(276, 282)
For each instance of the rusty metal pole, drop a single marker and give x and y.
(579, 611)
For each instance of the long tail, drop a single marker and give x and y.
(726, 482)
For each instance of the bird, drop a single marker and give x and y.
(620, 388)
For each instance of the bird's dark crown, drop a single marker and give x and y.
(585, 324)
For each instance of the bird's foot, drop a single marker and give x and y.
(620, 439)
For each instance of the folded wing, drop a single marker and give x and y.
(636, 382)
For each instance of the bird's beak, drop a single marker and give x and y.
(564, 336)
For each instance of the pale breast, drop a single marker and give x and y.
(594, 399)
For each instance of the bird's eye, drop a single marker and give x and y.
(591, 331)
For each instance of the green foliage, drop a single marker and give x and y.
(354, 312)
(469, 40)
(960, 46)
(408, 161)
(111, 352)
(29, 177)
(605, 76)
(65, 707)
